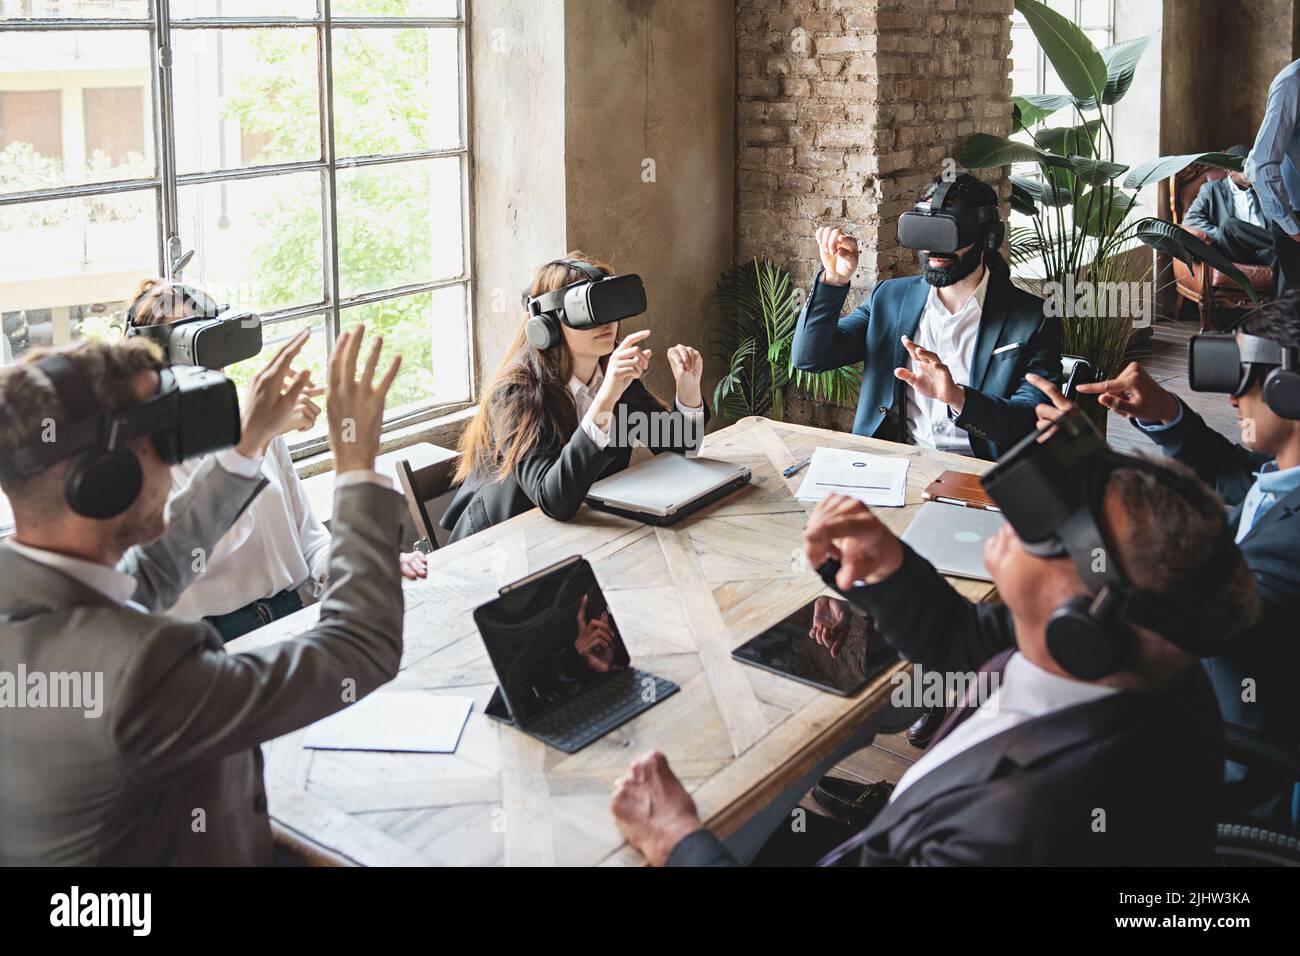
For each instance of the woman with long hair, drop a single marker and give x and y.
(548, 425)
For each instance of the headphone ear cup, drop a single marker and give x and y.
(997, 233)
(102, 485)
(1083, 646)
(543, 332)
(1281, 392)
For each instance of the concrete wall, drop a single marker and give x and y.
(649, 141)
(1254, 40)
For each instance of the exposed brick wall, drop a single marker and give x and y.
(847, 107)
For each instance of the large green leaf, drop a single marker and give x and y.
(982, 150)
(1041, 192)
(1069, 140)
(1181, 244)
(1162, 167)
(1022, 200)
(1076, 61)
(1029, 111)
(1100, 211)
(1094, 172)
(1121, 63)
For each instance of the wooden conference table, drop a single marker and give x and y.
(684, 597)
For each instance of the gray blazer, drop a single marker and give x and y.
(171, 771)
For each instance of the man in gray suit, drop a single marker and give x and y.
(128, 737)
(1228, 211)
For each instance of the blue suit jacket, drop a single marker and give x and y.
(999, 407)
(1269, 653)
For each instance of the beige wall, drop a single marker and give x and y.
(649, 139)
(570, 98)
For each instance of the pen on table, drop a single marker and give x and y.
(796, 467)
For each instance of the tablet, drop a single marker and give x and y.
(828, 644)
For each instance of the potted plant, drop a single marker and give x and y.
(758, 308)
(1081, 222)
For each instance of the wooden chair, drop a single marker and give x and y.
(1201, 284)
(428, 493)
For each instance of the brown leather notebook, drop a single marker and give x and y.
(959, 488)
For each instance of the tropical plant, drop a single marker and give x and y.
(1082, 222)
(758, 308)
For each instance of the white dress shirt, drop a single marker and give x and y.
(1024, 692)
(950, 335)
(116, 585)
(1244, 205)
(585, 393)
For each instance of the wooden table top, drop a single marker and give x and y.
(684, 597)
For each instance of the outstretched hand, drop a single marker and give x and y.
(930, 377)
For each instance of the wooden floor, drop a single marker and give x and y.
(1165, 356)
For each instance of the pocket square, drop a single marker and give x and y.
(1006, 348)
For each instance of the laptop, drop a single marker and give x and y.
(667, 488)
(828, 643)
(951, 537)
(564, 675)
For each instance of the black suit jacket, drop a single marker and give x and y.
(1268, 654)
(1130, 779)
(557, 477)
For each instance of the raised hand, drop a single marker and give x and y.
(839, 253)
(844, 528)
(626, 363)
(930, 377)
(355, 406)
(272, 398)
(688, 368)
(1133, 393)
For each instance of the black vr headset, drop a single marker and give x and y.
(931, 227)
(196, 411)
(211, 335)
(1050, 488)
(596, 300)
(1227, 363)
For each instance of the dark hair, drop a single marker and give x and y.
(1278, 320)
(1169, 535)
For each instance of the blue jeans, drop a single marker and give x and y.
(257, 614)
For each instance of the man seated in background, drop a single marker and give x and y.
(1113, 760)
(944, 353)
(1260, 479)
(157, 760)
(1228, 211)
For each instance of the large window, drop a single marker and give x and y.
(311, 154)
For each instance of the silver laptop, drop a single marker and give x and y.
(667, 487)
(951, 537)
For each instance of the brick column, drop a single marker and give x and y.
(847, 107)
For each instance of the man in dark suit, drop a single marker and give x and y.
(1260, 479)
(1047, 769)
(945, 353)
(1229, 213)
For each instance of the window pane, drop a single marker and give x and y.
(399, 223)
(75, 107)
(311, 357)
(395, 91)
(256, 242)
(67, 9)
(410, 326)
(245, 98)
(243, 8)
(69, 266)
(395, 8)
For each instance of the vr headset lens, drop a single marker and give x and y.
(1045, 479)
(1214, 364)
(208, 342)
(201, 415)
(589, 304)
(933, 232)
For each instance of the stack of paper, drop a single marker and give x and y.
(875, 480)
(412, 721)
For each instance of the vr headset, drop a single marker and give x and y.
(596, 300)
(212, 336)
(1050, 488)
(1228, 363)
(196, 411)
(931, 227)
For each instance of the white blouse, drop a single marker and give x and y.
(276, 544)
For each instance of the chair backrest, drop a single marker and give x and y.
(1186, 183)
(1075, 371)
(428, 492)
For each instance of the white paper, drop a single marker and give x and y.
(875, 480)
(450, 590)
(399, 720)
